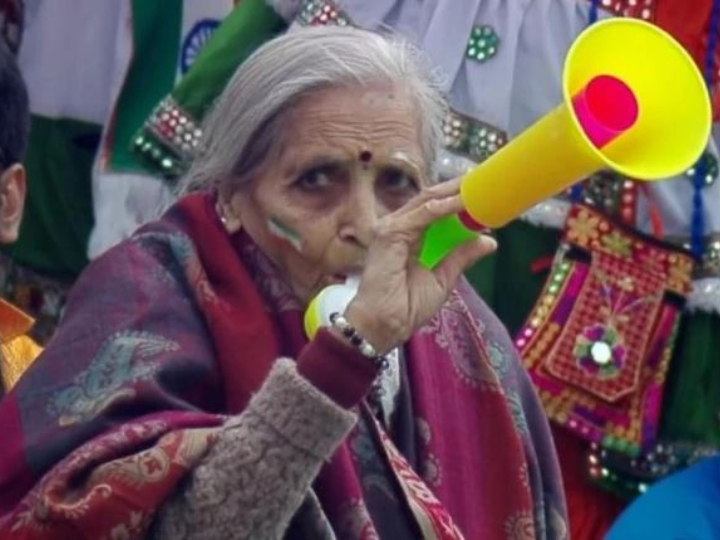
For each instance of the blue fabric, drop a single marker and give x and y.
(685, 506)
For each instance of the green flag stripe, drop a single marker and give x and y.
(156, 30)
(58, 210)
(249, 25)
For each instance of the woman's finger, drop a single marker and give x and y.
(417, 219)
(437, 191)
(460, 259)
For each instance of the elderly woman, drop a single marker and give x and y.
(181, 399)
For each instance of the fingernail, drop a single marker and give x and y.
(489, 242)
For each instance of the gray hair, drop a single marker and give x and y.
(245, 123)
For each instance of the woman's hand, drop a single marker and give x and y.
(397, 295)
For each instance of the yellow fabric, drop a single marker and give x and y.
(17, 351)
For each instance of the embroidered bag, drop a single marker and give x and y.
(599, 340)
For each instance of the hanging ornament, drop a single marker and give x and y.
(709, 165)
(483, 43)
(322, 13)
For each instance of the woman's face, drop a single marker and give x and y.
(347, 157)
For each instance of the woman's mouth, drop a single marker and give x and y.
(336, 279)
(343, 276)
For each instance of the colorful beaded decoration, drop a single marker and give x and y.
(322, 12)
(631, 476)
(483, 43)
(638, 9)
(599, 350)
(613, 194)
(599, 341)
(472, 138)
(709, 165)
(170, 138)
(709, 264)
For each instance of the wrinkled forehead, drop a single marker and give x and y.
(364, 121)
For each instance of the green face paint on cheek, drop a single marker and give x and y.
(280, 230)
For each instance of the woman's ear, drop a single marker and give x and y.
(227, 209)
(12, 201)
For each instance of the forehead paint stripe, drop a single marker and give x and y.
(280, 230)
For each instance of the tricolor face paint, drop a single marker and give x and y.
(278, 229)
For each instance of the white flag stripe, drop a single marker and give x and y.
(70, 56)
(193, 32)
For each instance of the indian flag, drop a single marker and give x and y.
(95, 70)
(68, 57)
(165, 39)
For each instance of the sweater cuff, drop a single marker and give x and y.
(338, 370)
(298, 411)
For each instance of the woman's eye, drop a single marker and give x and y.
(398, 181)
(314, 179)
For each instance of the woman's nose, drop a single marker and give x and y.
(361, 213)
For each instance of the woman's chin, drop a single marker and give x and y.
(306, 294)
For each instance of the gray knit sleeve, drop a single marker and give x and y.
(255, 478)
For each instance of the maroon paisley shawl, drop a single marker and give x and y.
(169, 333)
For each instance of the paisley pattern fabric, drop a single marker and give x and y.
(175, 329)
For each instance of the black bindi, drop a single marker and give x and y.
(366, 156)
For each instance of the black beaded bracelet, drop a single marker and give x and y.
(356, 340)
